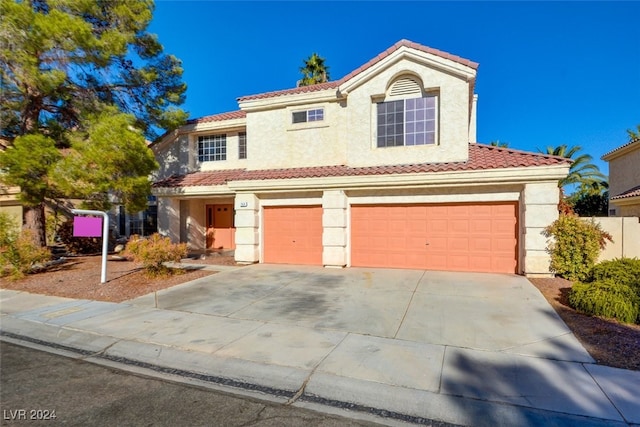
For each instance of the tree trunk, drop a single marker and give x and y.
(34, 221)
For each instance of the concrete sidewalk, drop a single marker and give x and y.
(234, 329)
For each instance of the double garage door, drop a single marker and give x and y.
(480, 237)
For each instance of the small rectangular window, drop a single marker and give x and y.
(315, 115)
(212, 148)
(242, 145)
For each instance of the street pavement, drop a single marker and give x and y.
(407, 345)
(41, 388)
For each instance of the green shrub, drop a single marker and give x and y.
(606, 298)
(576, 246)
(154, 251)
(52, 224)
(18, 252)
(9, 229)
(625, 271)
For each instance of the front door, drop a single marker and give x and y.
(220, 230)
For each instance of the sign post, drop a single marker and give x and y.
(89, 227)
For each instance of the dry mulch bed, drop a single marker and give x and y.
(79, 277)
(609, 342)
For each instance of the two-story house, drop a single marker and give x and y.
(624, 179)
(378, 169)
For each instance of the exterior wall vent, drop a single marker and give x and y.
(405, 86)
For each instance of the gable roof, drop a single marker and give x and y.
(240, 114)
(369, 64)
(481, 157)
(607, 156)
(632, 192)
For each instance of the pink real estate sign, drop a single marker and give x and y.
(84, 226)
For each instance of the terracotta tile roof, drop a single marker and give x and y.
(633, 192)
(481, 157)
(372, 62)
(198, 179)
(239, 114)
(633, 141)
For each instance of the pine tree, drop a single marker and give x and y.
(65, 63)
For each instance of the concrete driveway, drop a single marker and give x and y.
(470, 349)
(496, 312)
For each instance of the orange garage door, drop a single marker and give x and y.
(293, 235)
(457, 237)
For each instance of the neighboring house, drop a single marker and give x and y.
(378, 169)
(624, 179)
(126, 224)
(9, 202)
(143, 223)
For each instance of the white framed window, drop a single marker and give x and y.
(407, 122)
(315, 115)
(212, 148)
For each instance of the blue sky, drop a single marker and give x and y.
(550, 73)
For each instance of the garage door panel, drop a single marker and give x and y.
(480, 263)
(396, 243)
(480, 226)
(483, 211)
(503, 227)
(503, 264)
(437, 225)
(503, 246)
(459, 226)
(458, 211)
(464, 237)
(479, 245)
(437, 243)
(458, 262)
(458, 244)
(416, 242)
(437, 262)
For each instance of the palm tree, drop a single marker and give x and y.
(582, 173)
(497, 143)
(634, 134)
(314, 71)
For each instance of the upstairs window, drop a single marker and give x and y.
(242, 145)
(407, 122)
(212, 148)
(315, 115)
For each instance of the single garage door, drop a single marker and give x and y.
(480, 237)
(293, 235)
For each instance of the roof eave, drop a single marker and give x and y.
(286, 100)
(498, 176)
(622, 150)
(631, 200)
(350, 82)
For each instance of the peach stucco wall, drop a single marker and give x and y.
(624, 171)
(624, 174)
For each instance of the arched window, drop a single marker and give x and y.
(408, 115)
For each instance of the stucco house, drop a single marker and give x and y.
(624, 179)
(380, 168)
